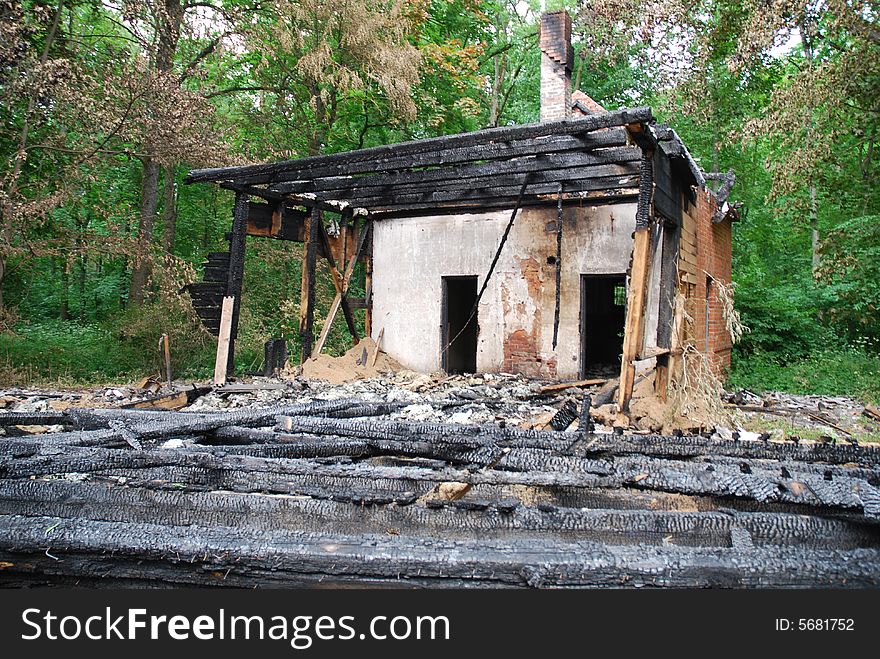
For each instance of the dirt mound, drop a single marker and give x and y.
(359, 363)
(648, 412)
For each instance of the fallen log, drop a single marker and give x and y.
(237, 557)
(149, 503)
(33, 419)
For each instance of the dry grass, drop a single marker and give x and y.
(732, 320)
(696, 393)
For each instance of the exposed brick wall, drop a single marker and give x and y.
(714, 254)
(557, 57)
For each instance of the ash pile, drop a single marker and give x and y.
(422, 481)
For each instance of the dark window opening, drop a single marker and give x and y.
(551, 260)
(459, 329)
(603, 315)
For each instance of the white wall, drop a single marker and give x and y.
(411, 255)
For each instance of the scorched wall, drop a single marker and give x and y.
(412, 255)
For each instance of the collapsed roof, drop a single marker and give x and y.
(595, 158)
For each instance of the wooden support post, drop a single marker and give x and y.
(307, 291)
(670, 244)
(224, 341)
(340, 295)
(338, 283)
(640, 276)
(235, 277)
(368, 285)
(166, 349)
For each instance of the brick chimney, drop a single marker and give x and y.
(557, 57)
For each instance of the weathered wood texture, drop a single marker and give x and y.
(591, 158)
(337, 496)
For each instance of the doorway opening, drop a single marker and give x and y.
(459, 329)
(603, 317)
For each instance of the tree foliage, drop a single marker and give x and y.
(105, 104)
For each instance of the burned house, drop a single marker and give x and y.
(555, 250)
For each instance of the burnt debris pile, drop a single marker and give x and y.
(343, 492)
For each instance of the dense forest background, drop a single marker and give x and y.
(106, 104)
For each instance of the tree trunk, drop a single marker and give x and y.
(169, 212)
(140, 270)
(814, 226)
(806, 39)
(7, 215)
(500, 71)
(83, 260)
(64, 313)
(169, 17)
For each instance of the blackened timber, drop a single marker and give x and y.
(141, 503)
(634, 330)
(495, 151)
(32, 418)
(235, 277)
(610, 176)
(624, 195)
(559, 218)
(237, 557)
(608, 158)
(338, 282)
(404, 198)
(524, 467)
(253, 174)
(307, 290)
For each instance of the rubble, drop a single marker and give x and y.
(425, 480)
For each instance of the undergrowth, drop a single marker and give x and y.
(57, 353)
(851, 370)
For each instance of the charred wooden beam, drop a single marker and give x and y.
(483, 204)
(237, 557)
(588, 188)
(235, 276)
(445, 157)
(612, 177)
(604, 162)
(253, 174)
(307, 287)
(634, 331)
(155, 503)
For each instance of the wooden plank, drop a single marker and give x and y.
(338, 282)
(166, 349)
(621, 161)
(687, 257)
(368, 289)
(173, 401)
(220, 363)
(340, 294)
(378, 348)
(252, 174)
(661, 377)
(562, 386)
(634, 331)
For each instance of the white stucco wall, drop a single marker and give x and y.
(411, 255)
